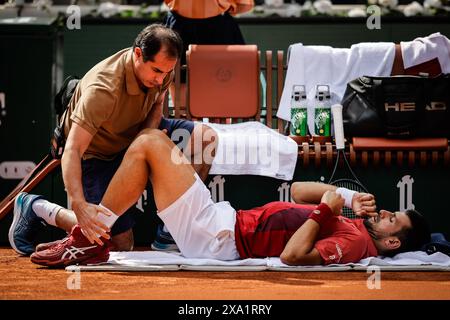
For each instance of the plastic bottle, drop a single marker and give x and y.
(299, 111)
(322, 111)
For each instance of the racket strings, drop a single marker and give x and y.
(351, 171)
(352, 184)
(347, 164)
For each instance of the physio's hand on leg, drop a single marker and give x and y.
(87, 219)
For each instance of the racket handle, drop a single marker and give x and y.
(336, 110)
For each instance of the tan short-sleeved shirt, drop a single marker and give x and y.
(109, 103)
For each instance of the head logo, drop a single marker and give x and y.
(436, 106)
(400, 106)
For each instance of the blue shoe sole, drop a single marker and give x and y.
(16, 218)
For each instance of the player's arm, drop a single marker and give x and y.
(76, 144)
(309, 192)
(300, 248)
(93, 108)
(362, 204)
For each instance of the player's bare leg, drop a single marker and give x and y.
(151, 156)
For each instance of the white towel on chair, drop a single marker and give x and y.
(424, 49)
(253, 148)
(313, 65)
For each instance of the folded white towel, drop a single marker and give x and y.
(253, 148)
(424, 49)
(314, 65)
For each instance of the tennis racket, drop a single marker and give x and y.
(344, 177)
(47, 165)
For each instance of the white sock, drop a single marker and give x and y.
(46, 210)
(107, 220)
(347, 194)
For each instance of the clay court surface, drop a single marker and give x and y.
(23, 280)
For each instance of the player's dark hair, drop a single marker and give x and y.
(413, 238)
(156, 37)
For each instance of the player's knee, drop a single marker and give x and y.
(149, 139)
(152, 133)
(296, 188)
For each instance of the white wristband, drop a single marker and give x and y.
(347, 194)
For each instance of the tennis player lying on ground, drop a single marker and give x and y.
(308, 232)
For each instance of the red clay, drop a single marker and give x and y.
(20, 279)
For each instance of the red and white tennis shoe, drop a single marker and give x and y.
(74, 249)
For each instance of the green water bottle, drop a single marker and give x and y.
(299, 111)
(322, 111)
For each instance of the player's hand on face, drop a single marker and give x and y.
(334, 201)
(364, 205)
(87, 220)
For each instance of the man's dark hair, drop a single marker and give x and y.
(413, 238)
(156, 37)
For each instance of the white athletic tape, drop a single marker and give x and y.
(347, 194)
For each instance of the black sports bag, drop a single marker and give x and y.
(399, 106)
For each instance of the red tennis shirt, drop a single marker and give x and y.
(264, 231)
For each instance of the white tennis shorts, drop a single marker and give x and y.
(200, 227)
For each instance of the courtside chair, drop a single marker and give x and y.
(223, 83)
(265, 86)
